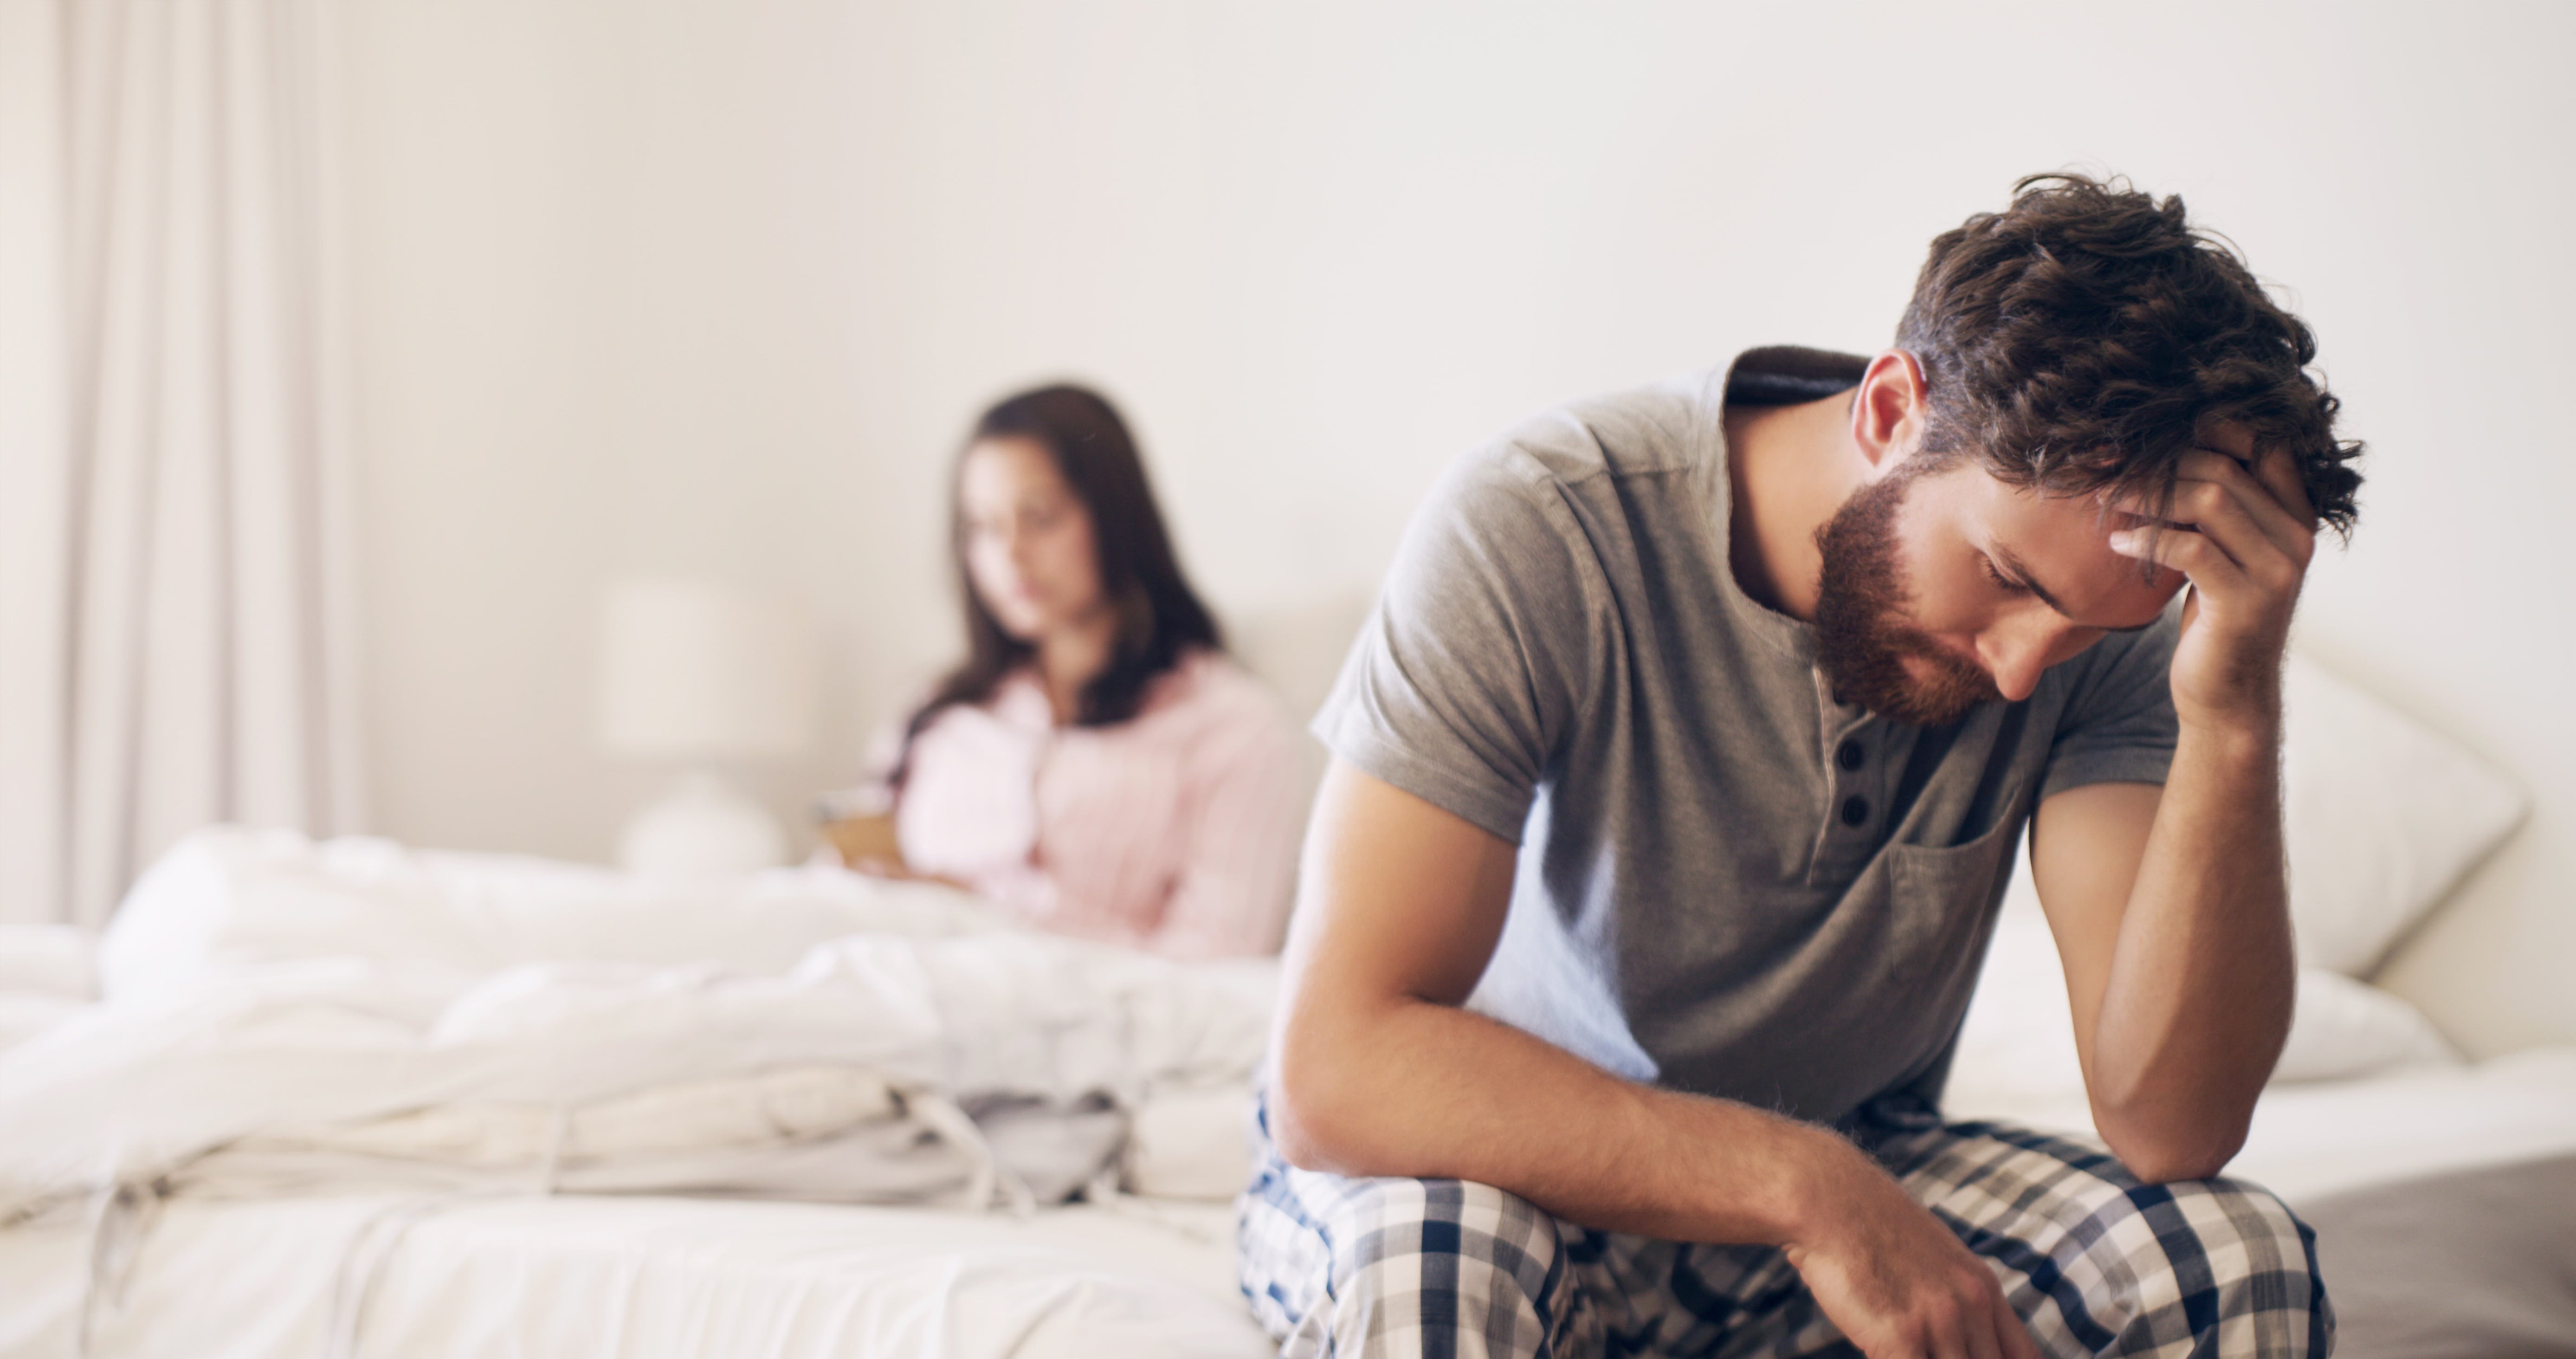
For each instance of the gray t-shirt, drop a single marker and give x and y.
(1728, 882)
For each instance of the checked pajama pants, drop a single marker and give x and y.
(2094, 1261)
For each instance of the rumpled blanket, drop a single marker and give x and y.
(280, 1014)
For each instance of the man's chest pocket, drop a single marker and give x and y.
(1939, 898)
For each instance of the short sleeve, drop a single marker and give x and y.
(1485, 644)
(2118, 725)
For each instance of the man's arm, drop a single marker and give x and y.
(2172, 912)
(1379, 1072)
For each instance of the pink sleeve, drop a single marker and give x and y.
(1240, 855)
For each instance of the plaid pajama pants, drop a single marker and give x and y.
(2094, 1261)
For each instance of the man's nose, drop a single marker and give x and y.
(2016, 654)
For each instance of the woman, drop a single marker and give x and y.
(1097, 765)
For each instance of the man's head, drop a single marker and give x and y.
(2069, 352)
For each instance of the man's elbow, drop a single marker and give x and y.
(1303, 1140)
(2174, 1125)
(1317, 1119)
(2174, 1165)
(2169, 1149)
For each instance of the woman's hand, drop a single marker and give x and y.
(867, 844)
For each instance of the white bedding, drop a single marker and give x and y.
(640, 1278)
(487, 1026)
(293, 1040)
(644, 1278)
(2312, 1139)
(315, 1017)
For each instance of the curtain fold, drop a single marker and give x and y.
(201, 663)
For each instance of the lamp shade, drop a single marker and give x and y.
(696, 672)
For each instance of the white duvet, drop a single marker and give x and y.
(276, 1013)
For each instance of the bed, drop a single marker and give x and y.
(373, 1100)
(352, 1098)
(638, 1276)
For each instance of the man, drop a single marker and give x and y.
(1677, 778)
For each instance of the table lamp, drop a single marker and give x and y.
(703, 678)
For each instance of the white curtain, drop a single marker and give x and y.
(180, 614)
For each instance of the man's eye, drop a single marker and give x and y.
(2010, 586)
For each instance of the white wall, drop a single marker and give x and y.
(715, 287)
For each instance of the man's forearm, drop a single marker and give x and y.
(2200, 990)
(1428, 1090)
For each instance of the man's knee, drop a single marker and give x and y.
(1404, 1258)
(1404, 1235)
(2222, 1260)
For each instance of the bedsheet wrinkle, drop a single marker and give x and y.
(258, 1036)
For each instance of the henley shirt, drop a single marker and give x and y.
(1727, 882)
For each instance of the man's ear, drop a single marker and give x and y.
(1888, 411)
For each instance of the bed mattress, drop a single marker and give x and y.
(2316, 1139)
(638, 1278)
(644, 1277)
(2473, 1265)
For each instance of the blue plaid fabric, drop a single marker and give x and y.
(2095, 1262)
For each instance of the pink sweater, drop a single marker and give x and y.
(1175, 830)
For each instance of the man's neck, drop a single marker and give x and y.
(1789, 468)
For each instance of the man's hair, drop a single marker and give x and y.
(2081, 339)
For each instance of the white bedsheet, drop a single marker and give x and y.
(646, 1278)
(642, 1278)
(2314, 1139)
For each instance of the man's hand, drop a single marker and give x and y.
(2240, 527)
(2170, 907)
(1896, 1281)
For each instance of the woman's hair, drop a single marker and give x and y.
(2082, 337)
(1159, 616)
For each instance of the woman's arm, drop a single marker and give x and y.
(1242, 818)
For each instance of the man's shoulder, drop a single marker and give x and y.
(1675, 425)
(1661, 427)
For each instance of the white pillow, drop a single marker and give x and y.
(2016, 1058)
(2344, 1028)
(2384, 817)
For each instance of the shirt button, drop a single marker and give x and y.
(1855, 810)
(1851, 756)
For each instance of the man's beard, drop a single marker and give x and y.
(1862, 637)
